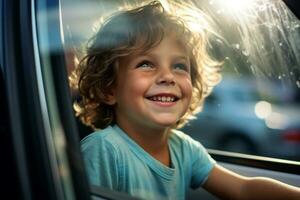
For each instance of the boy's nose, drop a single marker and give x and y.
(166, 77)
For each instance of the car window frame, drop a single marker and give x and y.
(22, 98)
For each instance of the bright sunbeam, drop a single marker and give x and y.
(236, 5)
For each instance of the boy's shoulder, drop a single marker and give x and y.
(98, 135)
(182, 140)
(107, 138)
(180, 136)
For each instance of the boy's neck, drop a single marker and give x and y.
(153, 141)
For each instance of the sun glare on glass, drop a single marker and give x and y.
(236, 5)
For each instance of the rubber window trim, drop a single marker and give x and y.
(274, 164)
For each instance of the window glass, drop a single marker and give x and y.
(47, 44)
(255, 108)
(257, 111)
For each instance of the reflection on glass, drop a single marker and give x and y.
(234, 5)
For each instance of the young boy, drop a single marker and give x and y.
(145, 74)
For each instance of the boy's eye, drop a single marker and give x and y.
(181, 66)
(145, 64)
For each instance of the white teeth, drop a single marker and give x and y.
(163, 98)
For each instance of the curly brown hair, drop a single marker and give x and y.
(124, 33)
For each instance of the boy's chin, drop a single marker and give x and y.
(166, 121)
(167, 124)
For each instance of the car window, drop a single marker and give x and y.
(258, 98)
(255, 109)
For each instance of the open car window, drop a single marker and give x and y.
(255, 109)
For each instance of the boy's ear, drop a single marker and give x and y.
(110, 97)
(110, 100)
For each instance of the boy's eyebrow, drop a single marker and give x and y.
(175, 56)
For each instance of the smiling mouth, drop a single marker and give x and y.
(163, 98)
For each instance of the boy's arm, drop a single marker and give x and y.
(229, 185)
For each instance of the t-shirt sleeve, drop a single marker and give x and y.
(100, 160)
(202, 164)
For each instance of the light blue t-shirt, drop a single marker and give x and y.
(113, 160)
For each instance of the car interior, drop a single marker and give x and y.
(40, 41)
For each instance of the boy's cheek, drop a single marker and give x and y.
(188, 88)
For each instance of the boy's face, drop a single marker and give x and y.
(153, 88)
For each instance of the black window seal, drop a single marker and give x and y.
(294, 6)
(274, 164)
